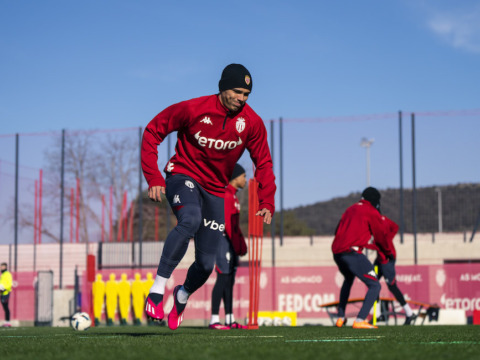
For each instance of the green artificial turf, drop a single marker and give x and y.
(308, 342)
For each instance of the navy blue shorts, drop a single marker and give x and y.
(200, 216)
(387, 271)
(353, 264)
(227, 259)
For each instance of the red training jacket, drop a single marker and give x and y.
(390, 230)
(210, 140)
(361, 226)
(232, 221)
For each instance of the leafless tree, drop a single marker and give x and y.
(98, 161)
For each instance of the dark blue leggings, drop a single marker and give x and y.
(200, 216)
(388, 272)
(351, 265)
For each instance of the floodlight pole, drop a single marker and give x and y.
(414, 193)
(366, 144)
(440, 219)
(62, 190)
(140, 200)
(400, 141)
(15, 257)
(272, 226)
(281, 182)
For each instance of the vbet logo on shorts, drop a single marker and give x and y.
(213, 225)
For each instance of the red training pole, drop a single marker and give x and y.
(35, 214)
(255, 233)
(120, 224)
(103, 218)
(40, 187)
(78, 210)
(130, 222)
(125, 216)
(110, 236)
(72, 200)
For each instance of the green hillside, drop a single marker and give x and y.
(460, 209)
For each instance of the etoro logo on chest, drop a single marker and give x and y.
(217, 144)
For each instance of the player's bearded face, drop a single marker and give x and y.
(234, 99)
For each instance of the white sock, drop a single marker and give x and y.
(229, 319)
(215, 319)
(408, 310)
(158, 286)
(182, 295)
(359, 320)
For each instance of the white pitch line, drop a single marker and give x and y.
(98, 337)
(244, 336)
(19, 336)
(330, 340)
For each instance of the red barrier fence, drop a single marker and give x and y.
(299, 289)
(305, 289)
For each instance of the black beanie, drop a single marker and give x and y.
(372, 196)
(235, 76)
(237, 171)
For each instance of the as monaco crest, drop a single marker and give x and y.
(240, 125)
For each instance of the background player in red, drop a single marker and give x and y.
(212, 134)
(231, 247)
(386, 268)
(360, 227)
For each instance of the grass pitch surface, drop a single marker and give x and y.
(309, 342)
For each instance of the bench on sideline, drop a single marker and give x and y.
(421, 310)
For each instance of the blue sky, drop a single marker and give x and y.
(116, 64)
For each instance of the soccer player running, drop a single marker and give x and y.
(386, 268)
(361, 226)
(231, 246)
(212, 134)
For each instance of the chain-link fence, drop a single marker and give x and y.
(86, 186)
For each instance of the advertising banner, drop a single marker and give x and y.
(304, 289)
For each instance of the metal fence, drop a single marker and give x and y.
(86, 186)
(133, 255)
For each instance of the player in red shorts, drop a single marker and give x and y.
(212, 134)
